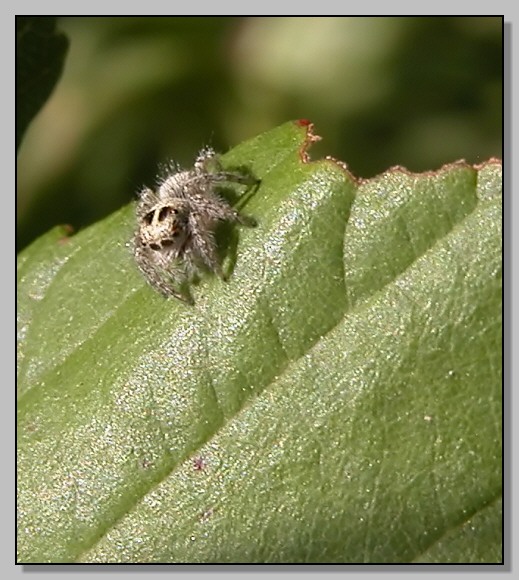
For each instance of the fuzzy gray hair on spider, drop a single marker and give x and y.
(174, 241)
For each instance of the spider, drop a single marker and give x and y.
(175, 241)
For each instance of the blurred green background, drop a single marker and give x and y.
(138, 91)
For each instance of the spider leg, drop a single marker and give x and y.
(231, 177)
(161, 278)
(217, 209)
(203, 246)
(208, 163)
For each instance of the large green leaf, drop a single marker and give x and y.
(338, 400)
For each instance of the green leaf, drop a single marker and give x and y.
(338, 400)
(40, 55)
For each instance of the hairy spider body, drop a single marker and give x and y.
(175, 241)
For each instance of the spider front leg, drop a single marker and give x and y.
(162, 275)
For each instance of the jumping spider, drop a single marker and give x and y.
(175, 241)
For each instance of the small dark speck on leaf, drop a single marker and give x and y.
(199, 464)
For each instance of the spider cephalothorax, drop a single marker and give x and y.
(175, 235)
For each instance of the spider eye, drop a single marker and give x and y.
(148, 218)
(164, 212)
(166, 243)
(154, 246)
